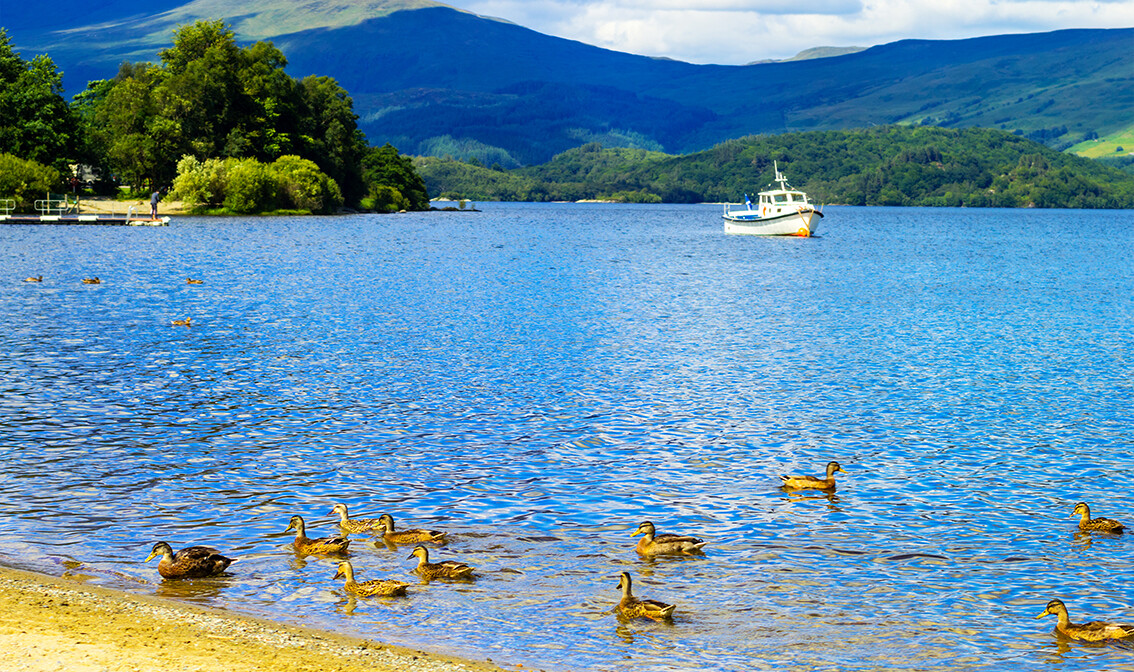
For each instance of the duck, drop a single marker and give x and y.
(386, 524)
(320, 546)
(1095, 631)
(1096, 524)
(92, 281)
(193, 562)
(653, 543)
(372, 588)
(631, 607)
(34, 278)
(811, 482)
(182, 323)
(449, 569)
(355, 525)
(191, 281)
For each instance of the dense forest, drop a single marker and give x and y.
(223, 125)
(893, 165)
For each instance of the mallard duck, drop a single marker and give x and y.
(386, 524)
(320, 546)
(812, 483)
(189, 563)
(191, 281)
(1095, 631)
(36, 278)
(1096, 524)
(182, 323)
(356, 525)
(449, 569)
(374, 587)
(631, 607)
(92, 281)
(665, 544)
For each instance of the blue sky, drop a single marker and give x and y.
(742, 31)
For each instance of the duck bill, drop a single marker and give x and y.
(338, 575)
(1045, 613)
(151, 556)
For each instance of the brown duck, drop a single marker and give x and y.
(372, 588)
(812, 482)
(1087, 523)
(631, 607)
(665, 544)
(193, 562)
(449, 569)
(414, 536)
(1095, 631)
(320, 546)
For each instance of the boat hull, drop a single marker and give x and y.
(803, 223)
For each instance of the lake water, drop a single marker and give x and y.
(538, 379)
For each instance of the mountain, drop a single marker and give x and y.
(432, 79)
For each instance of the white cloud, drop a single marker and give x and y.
(741, 31)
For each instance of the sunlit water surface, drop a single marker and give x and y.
(537, 379)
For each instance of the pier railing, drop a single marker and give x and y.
(7, 205)
(56, 204)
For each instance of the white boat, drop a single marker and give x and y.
(783, 211)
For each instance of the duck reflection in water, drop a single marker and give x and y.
(830, 496)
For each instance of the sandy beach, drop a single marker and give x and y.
(51, 624)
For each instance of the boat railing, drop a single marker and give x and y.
(7, 205)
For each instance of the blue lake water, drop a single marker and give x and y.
(538, 379)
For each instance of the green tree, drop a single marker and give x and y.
(35, 120)
(24, 181)
(383, 169)
(330, 133)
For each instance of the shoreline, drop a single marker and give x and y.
(54, 623)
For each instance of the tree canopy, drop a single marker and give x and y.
(211, 98)
(35, 121)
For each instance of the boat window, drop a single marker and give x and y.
(780, 198)
(799, 198)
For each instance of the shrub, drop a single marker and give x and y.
(303, 186)
(251, 187)
(25, 181)
(385, 199)
(200, 183)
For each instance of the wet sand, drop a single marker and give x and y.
(49, 623)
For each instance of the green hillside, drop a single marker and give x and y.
(431, 79)
(892, 165)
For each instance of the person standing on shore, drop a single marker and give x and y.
(154, 198)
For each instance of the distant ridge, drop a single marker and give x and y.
(814, 52)
(432, 79)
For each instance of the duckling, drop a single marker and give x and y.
(1096, 524)
(189, 563)
(320, 546)
(191, 281)
(356, 525)
(374, 587)
(1095, 631)
(665, 544)
(631, 607)
(182, 323)
(450, 569)
(813, 483)
(386, 523)
(34, 278)
(91, 281)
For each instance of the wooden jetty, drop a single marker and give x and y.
(57, 210)
(105, 220)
